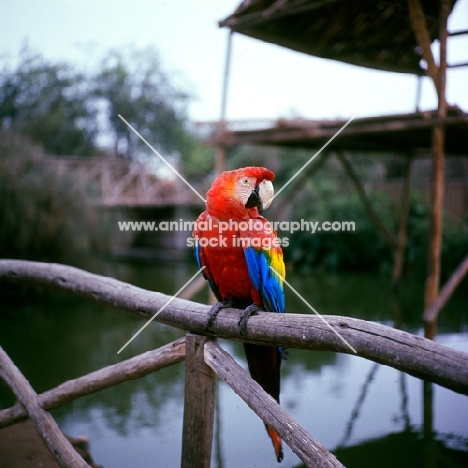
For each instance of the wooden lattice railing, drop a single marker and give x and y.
(121, 182)
(205, 360)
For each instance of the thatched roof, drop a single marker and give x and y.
(405, 133)
(370, 33)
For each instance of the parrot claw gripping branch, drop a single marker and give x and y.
(250, 310)
(243, 263)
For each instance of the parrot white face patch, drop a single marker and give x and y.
(244, 188)
(265, 193)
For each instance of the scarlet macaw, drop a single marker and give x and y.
(237, 245)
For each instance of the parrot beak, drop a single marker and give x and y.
(265, 192)
(254, 200)
(261, 197)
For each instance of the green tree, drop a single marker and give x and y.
(134, 84)
(65, 110)
(48, 102)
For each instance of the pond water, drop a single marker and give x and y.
(368, 415)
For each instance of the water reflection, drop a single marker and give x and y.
(369, 415)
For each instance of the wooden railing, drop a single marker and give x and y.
(205, 360)
(121, 182)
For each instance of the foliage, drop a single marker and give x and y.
(133, 83)
(49, 103)
(365, 248)
(198, 159)
(70, 112)
(41, 217)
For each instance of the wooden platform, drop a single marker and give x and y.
(405, 134)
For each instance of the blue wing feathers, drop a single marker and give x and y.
(264, 280)
(197, 255)
(253, 265)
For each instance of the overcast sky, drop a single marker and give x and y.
(266, 81)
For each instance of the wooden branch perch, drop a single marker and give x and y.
(309, 450)
(45, 425)
(131, 369)
(412, 354)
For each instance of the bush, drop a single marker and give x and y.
(41, 217)
(365, 248)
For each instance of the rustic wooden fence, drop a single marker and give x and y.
(121, 182)
(205, 360)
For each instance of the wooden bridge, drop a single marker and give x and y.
(205, 360)
(118, 182)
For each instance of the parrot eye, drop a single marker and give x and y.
(245, 181)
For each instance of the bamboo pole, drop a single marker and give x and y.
(412, 354)
(57, 444)
(438, 75)
(373, 215)
(438, 156)
(220, 162)
(419, 25)
(309, 450)
(199, 405)
(402, 241)
(107, 377)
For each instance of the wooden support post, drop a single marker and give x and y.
(220, 162)
(418, 94)
(199, 404)
(419, 25)
(403, 229)
(429, 451)
(438, 75)
(438, 156)
(386, 234)
(309, 450)
(45, 425)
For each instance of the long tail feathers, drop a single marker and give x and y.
(264, 366)
(276, 439)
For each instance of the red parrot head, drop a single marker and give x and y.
(234, 194)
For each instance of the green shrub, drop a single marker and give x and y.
(41, 217)
(365, 249)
